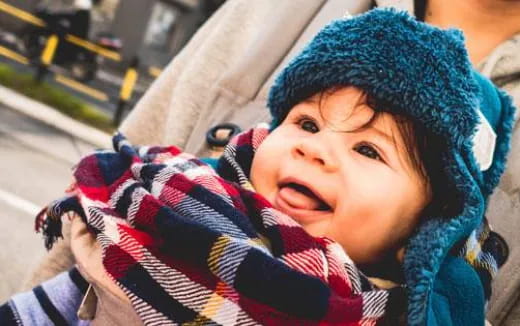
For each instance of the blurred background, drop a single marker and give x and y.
(110, 36)
(70, 70)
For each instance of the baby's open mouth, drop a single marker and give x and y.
(301, 197)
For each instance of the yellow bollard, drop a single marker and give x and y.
(128, 84)
(49, 50)
(127, 88)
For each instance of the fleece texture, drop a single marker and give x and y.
(423, 73)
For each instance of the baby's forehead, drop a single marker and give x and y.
(348, 108)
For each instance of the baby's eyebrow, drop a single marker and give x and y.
(397, 147)
(382, 134)
(389, 139)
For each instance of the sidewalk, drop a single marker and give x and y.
(51, 117)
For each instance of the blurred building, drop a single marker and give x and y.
(156, 30)
(153, 30)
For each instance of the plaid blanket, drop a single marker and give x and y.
(188, 245)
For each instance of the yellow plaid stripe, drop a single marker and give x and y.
(216, 252)
(212, 306)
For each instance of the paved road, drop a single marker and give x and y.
(35, 163)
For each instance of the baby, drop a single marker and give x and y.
(332, 160)
(383, 149)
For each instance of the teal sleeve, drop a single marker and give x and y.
(210, 161)
(458, 296)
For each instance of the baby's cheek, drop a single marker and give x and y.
(261, 172)
(367, 240)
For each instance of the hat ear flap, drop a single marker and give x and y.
(498, 109)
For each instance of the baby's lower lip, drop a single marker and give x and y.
(283, 201)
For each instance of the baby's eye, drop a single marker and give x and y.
(368, 151)
(309, 125)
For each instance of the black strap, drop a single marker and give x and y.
(47, 306)
(7, 316)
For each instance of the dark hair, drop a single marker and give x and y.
(420, 9)
(425, 152)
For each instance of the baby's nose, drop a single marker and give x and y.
(310, 155)
(315, 152)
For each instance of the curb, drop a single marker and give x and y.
(50, 116)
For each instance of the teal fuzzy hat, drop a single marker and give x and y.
(421, 72)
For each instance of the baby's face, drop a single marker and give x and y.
(357, 188)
